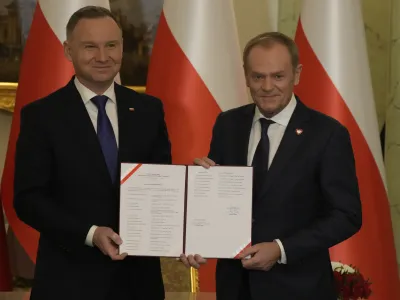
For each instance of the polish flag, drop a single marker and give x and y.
(196, 70)
(5, 272)
(44, 69)
(336, 81)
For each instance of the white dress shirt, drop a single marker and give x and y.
(275, 133)
(111, 110)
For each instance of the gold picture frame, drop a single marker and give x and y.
(8, 91)
(7, 96)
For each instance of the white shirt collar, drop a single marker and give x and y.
(87, 94)
(283, 117)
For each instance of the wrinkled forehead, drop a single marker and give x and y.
(270, 59)
(96, 30)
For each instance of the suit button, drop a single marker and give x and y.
(253, 220)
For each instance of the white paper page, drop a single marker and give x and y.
(152, 209)
(219, 211)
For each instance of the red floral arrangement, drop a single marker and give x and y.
(350, 283)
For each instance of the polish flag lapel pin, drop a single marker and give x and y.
(299, 131)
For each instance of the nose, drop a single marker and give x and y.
(267, 84)
(102, 55)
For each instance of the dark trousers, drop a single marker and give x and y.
(245, 293)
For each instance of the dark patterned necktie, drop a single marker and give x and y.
(106, 136)
(261, 156)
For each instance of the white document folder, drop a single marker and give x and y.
(167, 210)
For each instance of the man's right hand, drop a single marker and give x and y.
(204, 162)
(108, 241)
(192, 260)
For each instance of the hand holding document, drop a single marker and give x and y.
(167, 210)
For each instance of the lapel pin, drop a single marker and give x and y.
(299, 131)
(131, 109)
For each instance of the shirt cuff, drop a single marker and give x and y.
(283, 254)
(89, 237)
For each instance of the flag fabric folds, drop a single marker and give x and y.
(5, 273)
(336, 81)
(196, 70)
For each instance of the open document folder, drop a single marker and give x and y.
(167, 210)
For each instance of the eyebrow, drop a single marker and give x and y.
(264, 74)
(91, 42)
(278, 72)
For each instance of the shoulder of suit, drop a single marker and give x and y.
(141, 97)
(48, 102)
(324, 120)
(233, 112)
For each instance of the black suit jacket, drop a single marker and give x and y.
(309, 200)
(62, 188)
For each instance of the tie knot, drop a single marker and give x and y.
(100, 101)
(265, 124)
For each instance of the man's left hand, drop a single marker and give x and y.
(263, 256)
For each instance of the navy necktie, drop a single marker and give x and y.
(106, 136)
(261, 156)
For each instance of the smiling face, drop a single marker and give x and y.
(271, 77)
(95, 49)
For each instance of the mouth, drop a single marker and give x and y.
(268, 96)
(102, 70)
(102, 67)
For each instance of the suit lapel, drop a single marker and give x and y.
(122, 112)
(242, 133)
(294, 135)
(83, 132)
(129, 123)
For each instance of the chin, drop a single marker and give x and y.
(104, 78)
(268, 110)
(268, 105)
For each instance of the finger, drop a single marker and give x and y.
(119, 256)
(193, 262)
(209, 161)
(109, 248)
(116, 238)
(102, 244)
(251, 263)
(248, 252)
(199, 259)
(184, 260)
(201, 162)
(114, 253)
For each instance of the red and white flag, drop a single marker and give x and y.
(44, 69)
(5, 272)
(336, 81)
(196, 70)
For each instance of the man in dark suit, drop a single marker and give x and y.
(306, 196)
(67, 170)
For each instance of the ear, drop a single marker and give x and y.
(245, 76)
(67, 50)
(297, 73)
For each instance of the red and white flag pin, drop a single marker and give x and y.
(131, 109)
(299, 131)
